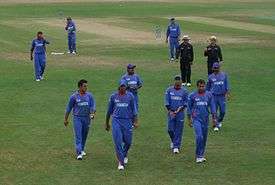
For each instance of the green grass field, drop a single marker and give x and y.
(35, 147)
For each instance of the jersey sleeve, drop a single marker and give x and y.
(70, 104)
(167, 98)
(190, 104)
(208, 84)
(226, 83)
(212, 105)
(220, 53)
(92, 104)
(185, 98)
(139, 81)
(168, 31)
(110, 106)
(133, 105)
(33, 45)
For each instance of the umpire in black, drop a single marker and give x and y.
(186, 54)
(213, 53)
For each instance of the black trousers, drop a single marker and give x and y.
(185, 68)
(210, 65)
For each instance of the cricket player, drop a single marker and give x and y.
(123, 110)
(176, 101)
(186, 54)
(84, 108)
(199, 103)
(71, 29)
(133, 81)
(218, 85)
(173, 33)
(213, 53)
(38, 47)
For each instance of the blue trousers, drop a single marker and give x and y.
(175, 129)
(122, 130)
(220, 102)
(174, 44)
(201, 131)
(72, 42)
(81, 129)
(39, 65)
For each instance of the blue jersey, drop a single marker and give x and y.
(39, 46)
(173, 31)
(218, 84)
(70, 27)
(133, 82)
(82, 105)
(176, 98)
(122, 106)
(199, 105)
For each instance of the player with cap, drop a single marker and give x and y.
(83, 105)
(71, 29)
(38, 47)
(213, 53)
(173, 33)
(186, 54)
(176, 101)
(123, 110)
(133, 82)
(218, 85)
(199, 103)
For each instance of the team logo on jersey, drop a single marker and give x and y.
(214, 79)
(128, 79)
(171, 93)
(202, 103)
(197, 99)
(176, 98)
(83, 104)
(122, 104)
(219, 83)
(78, 100)
(132, 83)
(116, 100)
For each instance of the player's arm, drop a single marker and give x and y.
(208, 85)
(68, 110)
(178, 51)
(140, 83)
(32, 49)
(179, 32)
(167, 33)
(220, 54)
(189, 109)
(227, 89)
(92, 107)
(206, 52)
(167, 103)
(192, 54)
(109, 113)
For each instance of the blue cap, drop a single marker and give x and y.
(216, 65)
(130, 66)
(122, 83)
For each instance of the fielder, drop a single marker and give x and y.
(173, 33)
(218, 85)
(133, 81)
(213, 53)
(199, 103)
(83, 105)
(38, 47)
(176, 101)
(71, 29)
(123, 110)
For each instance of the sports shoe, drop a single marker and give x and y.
(69, 52)
(74, 53)
(83, 153)
(79, 157)
(120, 167)
(176, 151)
(41, 77)
(220, 125)
(216, 129)
(199, 160)
(188, 84)
(172, 59)
(171, 145)
(183, 84)
(125, 160)
(38, 80)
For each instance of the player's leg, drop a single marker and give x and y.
(199, 138)
(209, 67)
(74, 43)
(37, 67)
(188, 72)
(179, 130)
(117, 139)
(222, 106)
(183, 72)
(204, 127)
(171, 48)
(171, 129)
(127, 137)
(70, 43)
(42, 61)
(86, 123)
(78, 136)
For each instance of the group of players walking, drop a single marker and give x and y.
(209, 98)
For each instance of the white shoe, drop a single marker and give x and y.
(176, 151)
(79, 157)
(83, 153)
(216, 129)
(220, 125)
(172, 59)
(199, 160)
(41, 77)
(120, 167)
(203, 159)
(38, 80)
(188, 84)
(69, 52)
(171, 145)
(183, 84)
(74, 53)
(125, 160)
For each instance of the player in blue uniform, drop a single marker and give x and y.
(199, 103)
(173, 33)
(176, 101)
(218, 85)
(123, 110)
(83, 105)
(133, 81)
(38, 47)
(71, 29)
